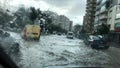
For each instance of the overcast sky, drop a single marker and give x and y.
(73, 9)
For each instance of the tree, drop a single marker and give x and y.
(22, 17)
(4, 18)
(83, 30)
(77, 29)
(103, 29)
(33, 14)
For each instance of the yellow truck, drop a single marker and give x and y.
(32, 32)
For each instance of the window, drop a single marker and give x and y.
(103, 8)
(117, 15)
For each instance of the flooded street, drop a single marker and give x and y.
(55, 51)
(59, 33)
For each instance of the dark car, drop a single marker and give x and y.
(96, 42)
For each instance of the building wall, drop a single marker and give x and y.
(106, 12)
(118, 2)
(101, 12)
(113, 16)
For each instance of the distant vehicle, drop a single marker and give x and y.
(31, 32)
(59, 33)
(96, 42)
(70, 35)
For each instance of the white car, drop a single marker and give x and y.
(70, 35)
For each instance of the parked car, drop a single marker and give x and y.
(70, 35)
(96, 41)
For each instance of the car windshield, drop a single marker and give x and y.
(70, 33)
(56, 33)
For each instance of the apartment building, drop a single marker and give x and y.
(101, 15)
(90, 15)
(103, 8)
(108, 12)
(114, 22)
(114, 18)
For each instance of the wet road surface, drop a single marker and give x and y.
(55, 51)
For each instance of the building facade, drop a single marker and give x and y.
(88, 22)
(114, 17)
(108, 12)
(102, 9)
(101, 15)
(114, 22)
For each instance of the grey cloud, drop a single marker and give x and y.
(74, 7)
(60, 3)
(78, 8)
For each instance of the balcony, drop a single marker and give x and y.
(96, 18)
(97, 13)
(90, 9)
(103, 17)
(87, 7)
(93, 1)
(97, 7)
(96, 22)
(103, 11)
(87, 10)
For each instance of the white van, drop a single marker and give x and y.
(70, 35)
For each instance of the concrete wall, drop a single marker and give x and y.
(112, 13)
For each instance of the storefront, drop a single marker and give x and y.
(117, 27)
